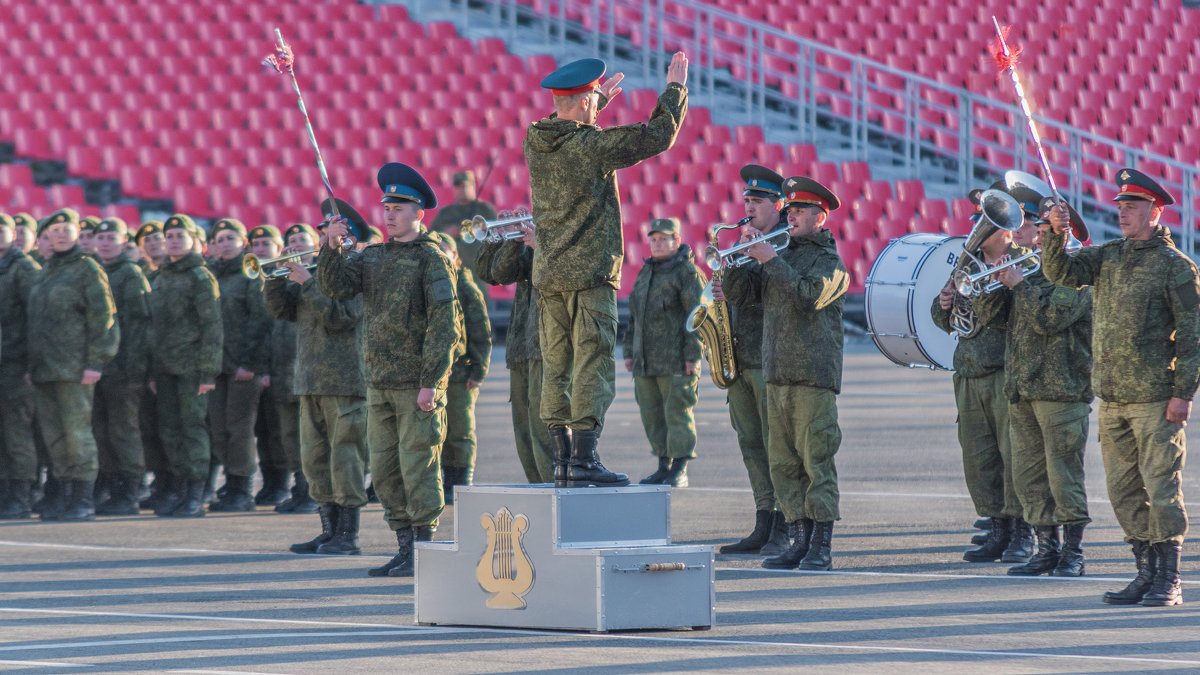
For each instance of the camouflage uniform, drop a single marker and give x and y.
(1048, 369)
(152, 447)
(330, 383)
(188, 335)
(511, 262)
(802, 291)
(233, 405)
(71, 329)
(18, 456)
(452, 215)
(663, 295)
(458, 451)
(578, 256)
(1147, 337)
(280, 407)
(412, 335)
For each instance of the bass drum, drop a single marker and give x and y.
(903, 283)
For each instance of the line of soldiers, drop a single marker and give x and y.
(1024, 383)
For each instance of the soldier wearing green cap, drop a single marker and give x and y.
(1146, 337)
(119, 391)
(87, 234)
(25, 233)
(466, 205)
(233, 405)
(149, 240)
(18, 455)
(72, 335)
(662, 355)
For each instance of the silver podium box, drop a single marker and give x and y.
(594, 559)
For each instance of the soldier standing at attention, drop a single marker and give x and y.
(762, 198)
(331, 385)
(233, 406)
(18, 455)
(662, 355)
(119, 391)
(187, 330)
(511, 262)
(458, 451)
(72, 335)
(1146, 339)
(802, 289)
(87, 235)
(150, 242)
(26, 232)
(411, 322)
(466, 206)
(577, 261)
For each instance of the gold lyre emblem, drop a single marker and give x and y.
(505, 570)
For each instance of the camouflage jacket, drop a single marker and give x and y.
(1146, 322)
(511, 262)
(185, 307)
(473, 364)
(573, 182)
(1048, 355)
(17, 273)
(982, 354)
(70, 325)
(329, 358)
(802, 291)
(412, 321)
(131, 292)
(283, 359)
(244, 315)
(663, 295)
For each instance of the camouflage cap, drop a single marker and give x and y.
(59, 216)
(7, 221)
(112, 224)
(149, 227)
(269, 231)
(664, 225)
(24, 220)
(89, 223)
(231, 224)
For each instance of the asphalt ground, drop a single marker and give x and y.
(222, 595)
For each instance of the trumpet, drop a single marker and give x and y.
(252, 267)
(968, 284)
(728, 258)
(481, 229)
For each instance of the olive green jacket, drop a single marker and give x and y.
(982, 354)
(803, 291)
(663, 295)
(511, 262)
(1146, 321)
(473, 364)
(71, 321)
(185, 307)
(573, 182)
(244, 314)
(412, 322)
(17, 274)
(131, 292)
(329, 358)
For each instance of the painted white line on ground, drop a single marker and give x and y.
(228, 637)
(202, 617)
(51, 664)
(861, 493)
(930, 575)
(221, 672)
(146, 549)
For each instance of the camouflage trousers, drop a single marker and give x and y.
(578, 333)
(182, 426)
(232, 412)
(533, 441)
(333, 448)
(666, 404)
(115, 426)
(152, 447)
(983, 430)
(1144, 456)
(747, 399)
(458, 450)
(279, 424)
(804, 439)
(406, 467)
(65, 413)
(18, 454)
(1048, 439)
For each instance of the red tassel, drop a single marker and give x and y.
(1005, 61)
(282, 60)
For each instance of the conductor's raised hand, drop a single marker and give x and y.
(677, 71)
(1060, 219)
(337, 231)
(611, 88)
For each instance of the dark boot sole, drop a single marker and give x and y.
(1065, 573)
(350, 552)
(592, 483)
(1111, 600)
(1172, 602)
(740, 547)
(778, 566)
(815, 568)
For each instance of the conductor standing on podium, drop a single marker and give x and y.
(579, 250)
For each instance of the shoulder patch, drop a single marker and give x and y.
(443, 290)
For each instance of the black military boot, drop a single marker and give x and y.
(237, 495)
(409, 567)
(1070, 561)
(1047, 556)
(754, 541)
(1020, 543)
(102, 488)
(345, 534)
(123, 497)
(677, 476)
(80, 507)
(404, 540)
(819, 548)
(329, 520)
(55, 500)
(799, 534)
(560, 447)
(777, 539)
(1165, 590)
(585, 469)
(19, 505)
(300, 501)
(275, 488)
(158, 489)
(993, 547)
(192, 505)
(1147, 560)
(451, 476)
(984, 523)
(656, 478)
(174, 496)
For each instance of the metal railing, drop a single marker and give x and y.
(800, 89)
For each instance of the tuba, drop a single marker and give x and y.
(1000, 211)
(711, 319)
